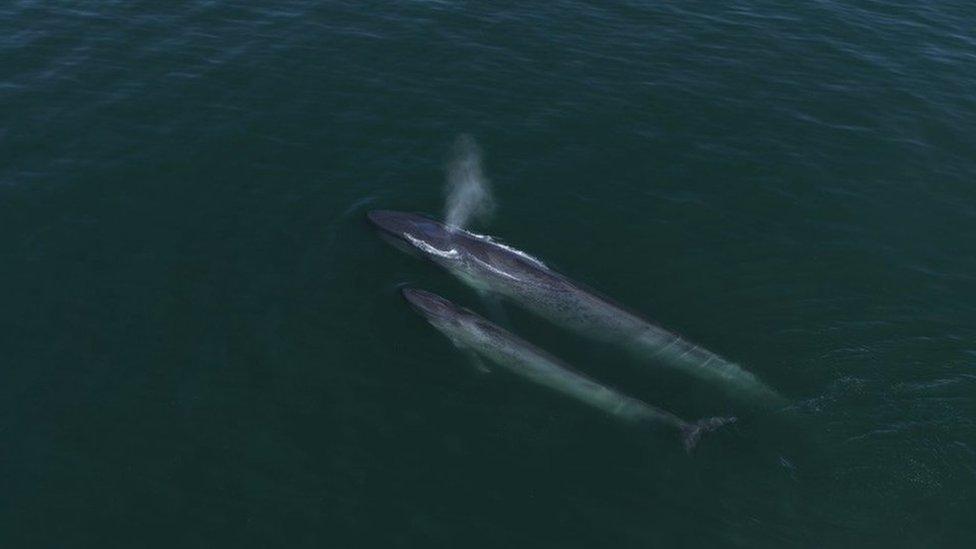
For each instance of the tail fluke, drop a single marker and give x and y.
(691, 432)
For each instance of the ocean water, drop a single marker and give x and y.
(202, 342)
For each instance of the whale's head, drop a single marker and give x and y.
(416, 233)
(429, 304)
(435, 308)
(463, 326)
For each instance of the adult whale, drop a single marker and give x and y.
(490, 266)
(469, 331)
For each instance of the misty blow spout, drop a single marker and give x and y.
(467, 191)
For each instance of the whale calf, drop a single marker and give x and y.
(469, 331)
(490, 266)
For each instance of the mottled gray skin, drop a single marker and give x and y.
(469, 331)
(490, 266)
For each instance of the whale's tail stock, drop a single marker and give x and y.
(692, 432)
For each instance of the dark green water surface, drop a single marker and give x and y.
(202, 342)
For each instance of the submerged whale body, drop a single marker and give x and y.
(469, 331)
(490, 266)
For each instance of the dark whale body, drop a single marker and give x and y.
(469, 331)
(490, 266)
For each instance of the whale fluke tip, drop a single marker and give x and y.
(692, 432)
